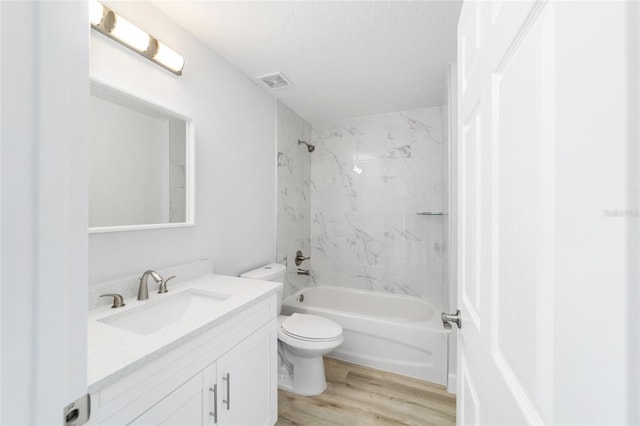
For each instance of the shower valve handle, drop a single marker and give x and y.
(300, 258)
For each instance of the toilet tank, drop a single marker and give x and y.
(271, 272)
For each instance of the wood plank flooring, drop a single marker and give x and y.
(359, 395)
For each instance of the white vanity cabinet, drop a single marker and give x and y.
(236, 385)
(225, 376)
(235, 390)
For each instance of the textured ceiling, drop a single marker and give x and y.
(346, 59)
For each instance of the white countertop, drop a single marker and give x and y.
(114, 353)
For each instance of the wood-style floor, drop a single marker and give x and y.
(359, 395)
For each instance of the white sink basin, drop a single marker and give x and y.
(158, 314)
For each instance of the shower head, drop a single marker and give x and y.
(310, 147)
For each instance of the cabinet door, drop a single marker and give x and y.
(247, 387)
(182, 407)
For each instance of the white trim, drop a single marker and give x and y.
(521, 397)
(275, 216)
(471, 307)
(0, 208)
(103, 229)
(452, 381)
(101, 84)
(452, 207)
(467, 389)
(190, 143)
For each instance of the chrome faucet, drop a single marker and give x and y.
(143, 289)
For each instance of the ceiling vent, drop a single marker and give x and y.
(276, 80)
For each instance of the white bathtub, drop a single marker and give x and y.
(400, 334)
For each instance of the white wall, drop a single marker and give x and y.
(596, 219)
(235, 154)
(633, 187)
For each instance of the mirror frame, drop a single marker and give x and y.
(189, 167)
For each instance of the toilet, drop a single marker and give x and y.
(302, 341)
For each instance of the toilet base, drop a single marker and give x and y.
(289, 388)
(303, 375)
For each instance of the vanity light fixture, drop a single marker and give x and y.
(107, 22)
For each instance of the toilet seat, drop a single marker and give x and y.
(310, 328)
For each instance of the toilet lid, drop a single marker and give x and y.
(311, 327)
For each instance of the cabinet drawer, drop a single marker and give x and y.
(180, 407)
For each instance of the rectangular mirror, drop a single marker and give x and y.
(141, 164)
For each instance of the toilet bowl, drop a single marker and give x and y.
(302, 341)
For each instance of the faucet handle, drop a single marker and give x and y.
(163, 285)
(117, 300)
(300, 257)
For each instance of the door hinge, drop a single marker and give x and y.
(77, 413)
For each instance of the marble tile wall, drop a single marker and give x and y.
(293, 219)
(369, 178)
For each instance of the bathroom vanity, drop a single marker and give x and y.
(202, 354)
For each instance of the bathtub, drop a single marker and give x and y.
(400, 334)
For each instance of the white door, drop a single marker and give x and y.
(542, 268)
(44, 115)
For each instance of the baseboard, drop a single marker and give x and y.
(451, 383)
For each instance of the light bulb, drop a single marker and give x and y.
(128, 33)
(169, 58)
(96, 11)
